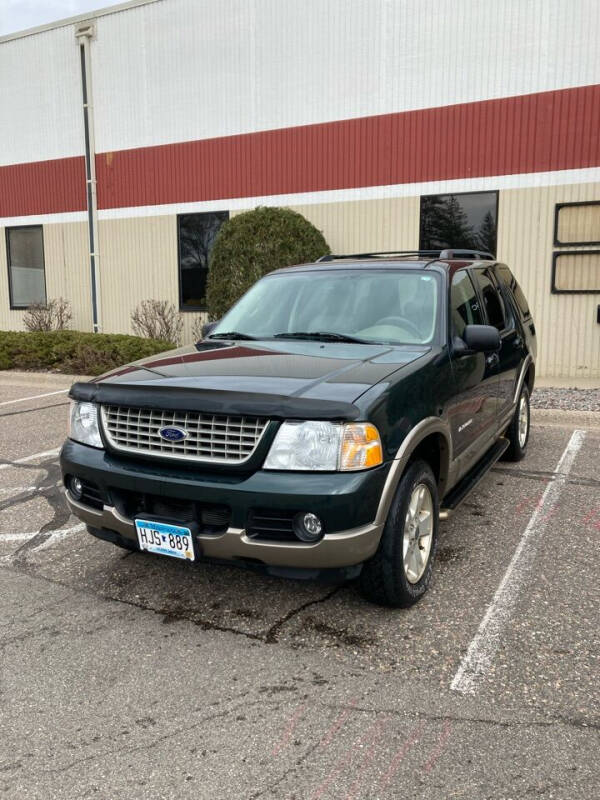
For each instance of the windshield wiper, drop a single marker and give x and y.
(230, 335)
(322, 336)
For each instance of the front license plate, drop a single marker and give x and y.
(168, 540)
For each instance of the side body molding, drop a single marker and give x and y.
(519, 385)
(420, 432)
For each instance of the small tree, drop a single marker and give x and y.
(157, 319)
(199, 323)
(252, 244)
(55, 315)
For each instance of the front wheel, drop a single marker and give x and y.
(400, 571)
(518, 430)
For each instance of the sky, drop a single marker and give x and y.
(16, 15)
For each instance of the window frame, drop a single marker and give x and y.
(460, 194)
(557, 209)
(510, 293)
(555, 256)
(509, 314)
(182, 307)
(466, 271)
(7, 230)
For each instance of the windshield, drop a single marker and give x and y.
(370, 305)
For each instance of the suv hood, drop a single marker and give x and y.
(281, 378)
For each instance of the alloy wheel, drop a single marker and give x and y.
(418, 533)
(523, 429)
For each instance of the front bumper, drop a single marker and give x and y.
(346, 502)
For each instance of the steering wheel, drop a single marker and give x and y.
(403, 322)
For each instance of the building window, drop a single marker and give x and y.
(197, 233)
(461, 221)
(577, 223)
(26, 275)
(576, 272)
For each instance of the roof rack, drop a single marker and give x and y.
(434, 254)
(460, 253)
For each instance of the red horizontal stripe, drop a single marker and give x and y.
(530, 133)
(43, 187)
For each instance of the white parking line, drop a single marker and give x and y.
(56, 536)
(45, 454)
(15, 490)
(34, 397)
(16, 537)
(484, 644)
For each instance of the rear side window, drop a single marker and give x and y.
(510, 281)
(464, 305)
(492, 300)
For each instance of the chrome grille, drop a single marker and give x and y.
(210, 437)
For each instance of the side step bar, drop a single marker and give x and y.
(455, 497)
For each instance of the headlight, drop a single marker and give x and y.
(325, 447)
(84, 424)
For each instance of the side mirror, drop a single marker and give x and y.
(208, 327)
(481, 338)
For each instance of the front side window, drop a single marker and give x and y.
(464, 305)
(26, 274)
(197, 234)
(387, 306)
(492, 300)
(461, 221)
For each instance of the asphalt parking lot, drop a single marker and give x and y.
(128, 675)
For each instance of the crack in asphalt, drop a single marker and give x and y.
(272, 634)
(545, 476)
(547, 722)
(46, 488)
(552, 721)
(165, 737)
(24, 496)
(169, 614)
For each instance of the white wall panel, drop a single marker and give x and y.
(179, 70)
(40, 97)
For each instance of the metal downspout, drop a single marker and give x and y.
(84, 33)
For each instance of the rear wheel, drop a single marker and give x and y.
(518, 430)
(400, 571)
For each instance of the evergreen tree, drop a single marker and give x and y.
(487, 234)
(445, 224)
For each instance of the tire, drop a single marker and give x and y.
(517, 438)
(385, 579)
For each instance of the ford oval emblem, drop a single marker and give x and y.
(173, 434)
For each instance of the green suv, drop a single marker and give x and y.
(328, 422)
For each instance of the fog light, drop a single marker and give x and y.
(308, 527)
(76, 487)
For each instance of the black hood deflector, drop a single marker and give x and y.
(210, 401)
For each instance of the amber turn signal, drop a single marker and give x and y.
(361, 447)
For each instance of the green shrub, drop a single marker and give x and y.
(254, 243)
(73, 352)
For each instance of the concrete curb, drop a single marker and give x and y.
(565, 419)
(39, 380)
